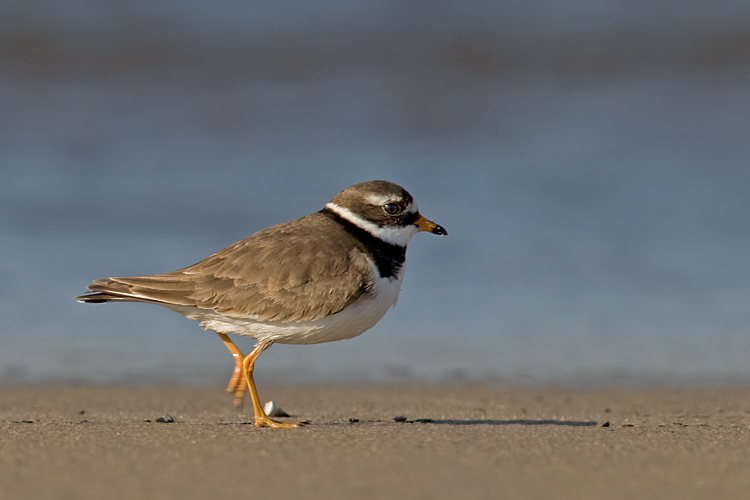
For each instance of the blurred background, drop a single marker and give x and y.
(588, 159)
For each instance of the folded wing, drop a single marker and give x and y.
(271, 275)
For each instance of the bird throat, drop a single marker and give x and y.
(388, 258)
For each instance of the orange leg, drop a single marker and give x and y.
(248, 365)
(237, 382)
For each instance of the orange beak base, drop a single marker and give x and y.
(425, 224)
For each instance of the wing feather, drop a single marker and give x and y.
(290, 272)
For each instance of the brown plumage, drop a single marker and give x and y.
(289, 272)
(327, 276)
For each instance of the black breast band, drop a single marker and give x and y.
(388, 258)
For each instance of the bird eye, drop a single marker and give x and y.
(391, 208)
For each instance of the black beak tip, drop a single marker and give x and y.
(439, 230)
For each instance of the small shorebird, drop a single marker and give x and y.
(330, 275)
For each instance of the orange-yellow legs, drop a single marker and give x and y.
(248, 365)
(237, 382)
(244, 365)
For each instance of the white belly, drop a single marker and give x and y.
(357, 318)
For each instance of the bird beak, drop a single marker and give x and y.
(425, 224)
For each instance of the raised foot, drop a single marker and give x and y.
(267, 422)
(237, 386)
(238, 391)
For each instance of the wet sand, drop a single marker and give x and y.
(457, 442)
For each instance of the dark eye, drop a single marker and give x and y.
(391, 208)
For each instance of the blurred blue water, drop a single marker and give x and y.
(597, 219)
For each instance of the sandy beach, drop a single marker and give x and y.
(456, 442)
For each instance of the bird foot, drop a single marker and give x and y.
(237, 387)
(265, 421)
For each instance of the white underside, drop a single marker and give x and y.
(354, 320)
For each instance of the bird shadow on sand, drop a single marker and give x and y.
(564, 423)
